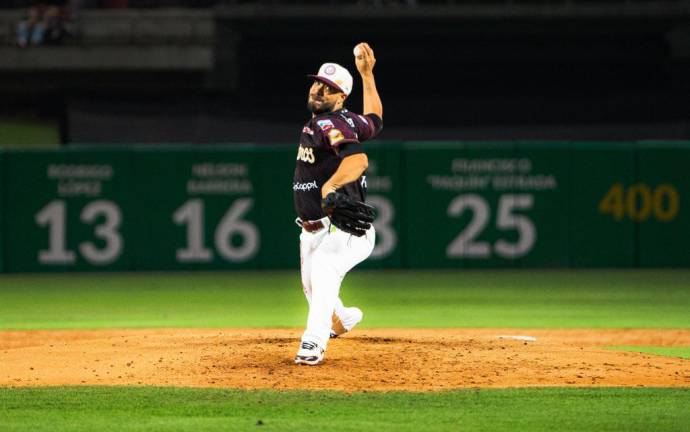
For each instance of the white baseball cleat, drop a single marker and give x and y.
(346, 322)
(310, 353)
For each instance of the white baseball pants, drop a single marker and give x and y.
(326, 256)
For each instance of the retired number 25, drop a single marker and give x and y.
(466, 243)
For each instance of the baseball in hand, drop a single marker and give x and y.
(357, 51)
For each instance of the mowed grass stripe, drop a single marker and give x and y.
(489, 298)
(177, 409)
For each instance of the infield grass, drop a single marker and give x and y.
(495, 298)
(170, 409)
(682, 352)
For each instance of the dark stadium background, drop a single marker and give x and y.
(585, 70)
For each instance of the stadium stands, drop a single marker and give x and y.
(577, 69)
(140, 39)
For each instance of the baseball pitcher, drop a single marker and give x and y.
(329, 192)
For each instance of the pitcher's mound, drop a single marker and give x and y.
(376, 360)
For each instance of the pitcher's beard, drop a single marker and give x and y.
(316, 110)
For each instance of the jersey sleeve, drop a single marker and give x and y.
(349, 128)
(368, 126)
(337, 131)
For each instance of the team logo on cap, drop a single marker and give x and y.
(330, 70)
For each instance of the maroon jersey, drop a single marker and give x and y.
(326, 139)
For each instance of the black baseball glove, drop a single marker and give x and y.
(347, 213)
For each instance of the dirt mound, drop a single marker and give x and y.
(380, 360)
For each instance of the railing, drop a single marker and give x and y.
(127, 26)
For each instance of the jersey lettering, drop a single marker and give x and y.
(347, 119)
(306, 154)
(305, 187)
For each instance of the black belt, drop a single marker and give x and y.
(312, 226)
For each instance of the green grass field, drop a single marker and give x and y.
(682, 352)
(19, 133)
(156, 409)
(528, 299)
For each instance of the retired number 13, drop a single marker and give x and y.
(54, 216)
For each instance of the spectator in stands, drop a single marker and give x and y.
(31, 30)
(55, 25)
(44, 24)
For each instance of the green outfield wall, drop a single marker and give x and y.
(440, 205)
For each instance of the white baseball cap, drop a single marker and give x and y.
(335, 76)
